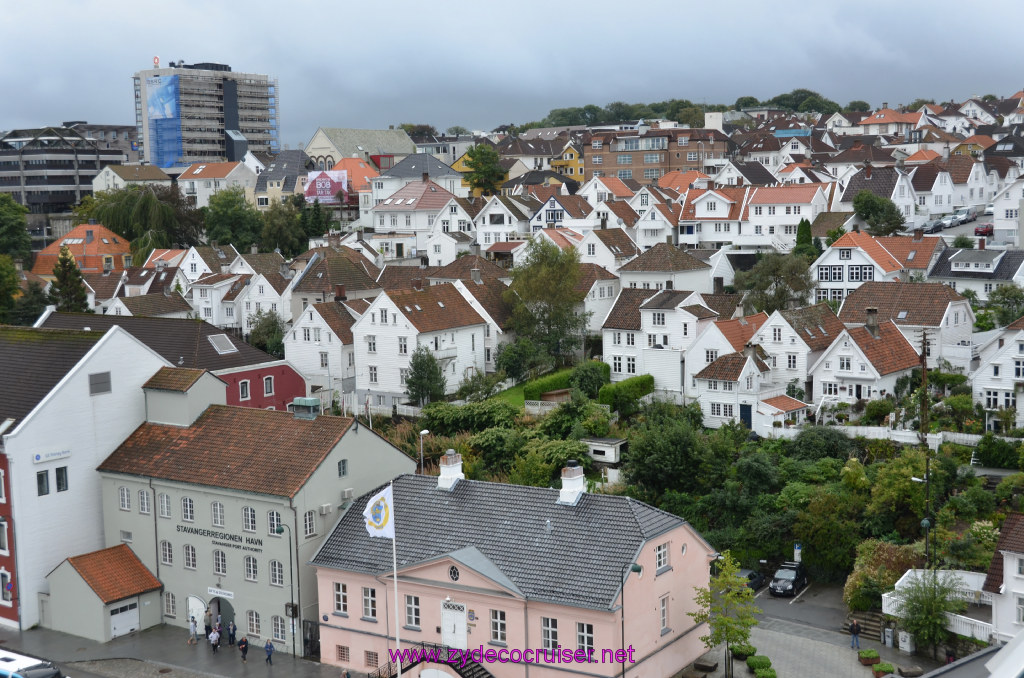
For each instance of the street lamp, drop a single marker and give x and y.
(422, 433)
(291, 579)
(926, 524)
(630, 567)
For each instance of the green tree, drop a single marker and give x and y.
(829, 528)
(804, 242)
(916, 104)
(14, 238)
(665, 454)
(858, 106)
(532, 468)
(965, 242)
(516, 359)
(774, 282)
(231, 219)
(881, 214)
(727, 607)
(313, 220)
(282, 230)
(1006, 303)
(8, 288)
(485, 172)
(480, 386)
(545, 300)
(588, 377)
(267, 333)
(745, 102)
(29, 306)
(456, 130)
(692, 116)
(925, 601)
(67, 292)
(989, 97)
(150, 217)
(834, 234)
(419, 129)
(425, 381)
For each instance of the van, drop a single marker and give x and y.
(966, 214)
(13, 664)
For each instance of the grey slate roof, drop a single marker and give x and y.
(351, 142)
(567, 555)
(413, 167)
(755, 173)
(1006, 268)
(881, 181)
(286, 167)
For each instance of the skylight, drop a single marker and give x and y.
(417, 307)
(199, 169)
(440, 304)
(901, 315)
(222, 344)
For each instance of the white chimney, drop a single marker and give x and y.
(573, 483)
(451, 471)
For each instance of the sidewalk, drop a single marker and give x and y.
(159, 648)
(800, 650)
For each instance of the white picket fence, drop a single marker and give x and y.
(970, 592)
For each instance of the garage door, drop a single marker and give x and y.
(124, 619)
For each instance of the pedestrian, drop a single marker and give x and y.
(208, 622)
(214, 640)
(243, 647)
(232, 629)
(192, 631)
(269, 648)
(855, 634)
(347, 674)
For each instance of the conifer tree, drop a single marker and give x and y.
(67, 292)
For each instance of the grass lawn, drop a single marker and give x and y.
(514, 396)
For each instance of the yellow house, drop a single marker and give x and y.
(513, 168)
(570, 162)
(974, 145)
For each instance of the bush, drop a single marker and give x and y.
(765, 673)
(997, 453)
(624, 396)
(758, 662)
(876, 411)
(446, 419)
(555, 381)
(590, 376)
(868, 654)
(884, 667)
(743, 650)
(1010, 486)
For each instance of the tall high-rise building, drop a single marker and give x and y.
(187, 113)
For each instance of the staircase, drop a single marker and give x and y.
(871, 624)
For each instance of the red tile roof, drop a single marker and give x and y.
(738, 331)
(590, 274)
(359, 171)
(178, 379)
(816, 325)
(617, 241)
(235, 448)
(912, 253)
(338, 319)
(208, 170)
(734, 197)
(625, 313)
(729, 367)
(871, 247)
(785, 403)
(664, 257)
(919, 304)
(565, 238)
(885, 116)
(462, 269)
(622, 210)
(115, 573)
(680, 181)
(1011, 538)
(924, 155)
(616, 187)
(88, 243)
(435, 308)
(889, 352)
(507, 246)
(982, 140)
(416, 196)
(791, 194)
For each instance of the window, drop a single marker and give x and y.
(995, 370)
(217, 514)
(664, 614)
(166, 553)
(342, 468)
(716, 409)
(220, 563)
(165, 505)
(617, 338)
(373, 374)
(661, 556)
(369, 603)
(710, 356)
(251, 569)
(309, 524)
(991, 400)
(268, 386)
(630, 365)
(791, 361)
(276, 573)
(844, 363)
(124, 494)
(624, 174)
(630, 339)
(144, 502)
(691, 156)
(277, 623)
(370, 658)
(170, 604)
(273, 522)
(727, 410)
(617, 364)
(253, 618)
(99, 383)
(188, 512)
(658, 318)
(340, 598)
(412, 611)
(403, 346)
(498, 626)
(190, 556)
(248, 519)
(549, 633)
(830, 388)
(342, 653)
(243, 390)
(625, 159)
(585, 637)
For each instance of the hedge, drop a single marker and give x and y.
(555, 381)
(758, 662)
(624, 395)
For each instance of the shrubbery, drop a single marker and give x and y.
(446, 419)
(589, 376)
(758, 662)
(555, 381)
(624, 396)
(997, 453)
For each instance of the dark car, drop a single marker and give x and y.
(755, 580)
(932, 226)
(789, 579)
(984, 229)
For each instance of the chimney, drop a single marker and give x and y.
(18, 267)
(981, 243)
(451, 471)
(88, 237)
(339, 293)
(286, 272)
(92, 222)
(574, 485)
(945, 151)
(918, 233)
(885, 104)
(426, 177)
(871, 320)
(867, 172)
(476, 275)
(748, 350)
(254, 249)
(719, 283)
(417, 283)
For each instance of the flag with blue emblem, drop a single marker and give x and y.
(379, 514)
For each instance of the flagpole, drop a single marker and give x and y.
(394, 569)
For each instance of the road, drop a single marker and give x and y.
(818, 605)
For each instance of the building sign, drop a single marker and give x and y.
(228, 539)
(323, 186)
(50, 456)
(220, 593)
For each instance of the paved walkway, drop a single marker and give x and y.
(800, 650)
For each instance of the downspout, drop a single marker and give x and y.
(156, 540)
(526, 632)
(298, 584)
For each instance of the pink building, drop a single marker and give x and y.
(505, 569)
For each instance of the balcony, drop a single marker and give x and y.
(445, 353)
(976, 622)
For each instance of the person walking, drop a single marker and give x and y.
(243, 647)
(855, 634)
(269, 648)
(214, 640)
(232, 630)
(192, 631)
(208, 622)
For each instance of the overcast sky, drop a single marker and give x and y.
(480, 63)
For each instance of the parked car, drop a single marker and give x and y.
(950, 221)
(755, 580)
(966, 214)
(789, 579)
(14, 664)
(989, 209)
(984, 229)
(933, 226)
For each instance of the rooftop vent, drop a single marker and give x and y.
(305, 408)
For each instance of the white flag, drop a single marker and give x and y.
(380, 514)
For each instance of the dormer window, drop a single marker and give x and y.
(845, 253)
(712, 206)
